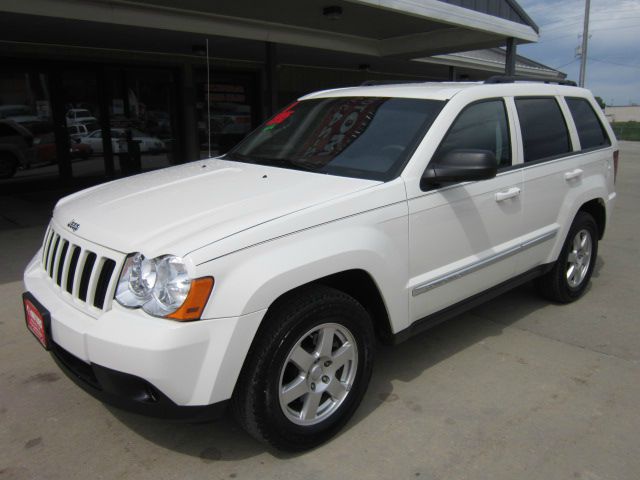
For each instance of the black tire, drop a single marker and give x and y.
(257, 401)
(555, 285)
(8, 165)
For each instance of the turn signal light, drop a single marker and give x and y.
(195, 302)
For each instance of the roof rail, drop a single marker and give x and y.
(513, 79)
(369, 83)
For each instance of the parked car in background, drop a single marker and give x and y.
(148, 144)
(80, 130)
(16, 148)
(21, 114)
(80, 115)
(47, 149)
(11, 111)
(80, 150)
(26, 120)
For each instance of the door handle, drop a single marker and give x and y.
(506, 194)
(573, 174)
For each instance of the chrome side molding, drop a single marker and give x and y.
(461, 272)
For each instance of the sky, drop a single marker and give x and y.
(613, 54)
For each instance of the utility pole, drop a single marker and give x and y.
(585, 40)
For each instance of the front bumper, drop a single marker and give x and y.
(129, 392)
(125, 355)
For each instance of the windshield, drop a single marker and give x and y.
(83, 113)
(364, 137)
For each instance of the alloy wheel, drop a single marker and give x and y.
(579, 258)
(318, 374)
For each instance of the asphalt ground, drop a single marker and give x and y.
(515, 389)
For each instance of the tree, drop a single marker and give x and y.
(601, 102)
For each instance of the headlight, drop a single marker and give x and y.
(162, 287)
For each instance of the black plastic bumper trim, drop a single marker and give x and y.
(129, 392)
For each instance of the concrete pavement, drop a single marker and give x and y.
(514, 389)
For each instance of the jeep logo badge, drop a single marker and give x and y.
(73, 225)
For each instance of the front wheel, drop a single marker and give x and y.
(307, 370)
(570, 275)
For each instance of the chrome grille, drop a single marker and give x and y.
(82, 272)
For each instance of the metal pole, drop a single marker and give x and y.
(585, 40)
(510, 61)
(272, 77)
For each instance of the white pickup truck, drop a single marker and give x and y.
(263, 278)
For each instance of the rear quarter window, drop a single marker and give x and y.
(544, 131)
(590, 131)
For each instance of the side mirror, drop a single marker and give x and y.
(461, 166)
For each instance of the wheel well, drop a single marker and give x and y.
(597, 210)
(359, 285)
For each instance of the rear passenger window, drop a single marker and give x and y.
(544, 132)
(590, 130)
(481, 126)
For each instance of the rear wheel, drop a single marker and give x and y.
(307, 370)
(568, 279)
(8, 165)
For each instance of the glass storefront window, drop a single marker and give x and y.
(139, 103)
(80, 97)
(233, 111)
(142, 106)
(92, 122)
(27, 142)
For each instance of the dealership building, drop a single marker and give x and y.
(189, 78)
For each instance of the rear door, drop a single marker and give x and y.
(462, 237)
(552, 168)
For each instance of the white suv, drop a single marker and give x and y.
(264, 277)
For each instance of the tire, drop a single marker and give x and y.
(282, 355)
(8, 165)
(570, 275)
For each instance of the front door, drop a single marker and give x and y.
(463, 237)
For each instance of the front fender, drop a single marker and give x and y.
(375, 241)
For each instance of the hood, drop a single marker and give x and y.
(176, 210)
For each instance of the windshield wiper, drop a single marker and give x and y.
(303, 166)
(271, 162)
(237, 157)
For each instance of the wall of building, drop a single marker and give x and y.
(623, 114)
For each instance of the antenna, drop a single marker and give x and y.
(208, 104)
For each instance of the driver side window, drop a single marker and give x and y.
(480, 126)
